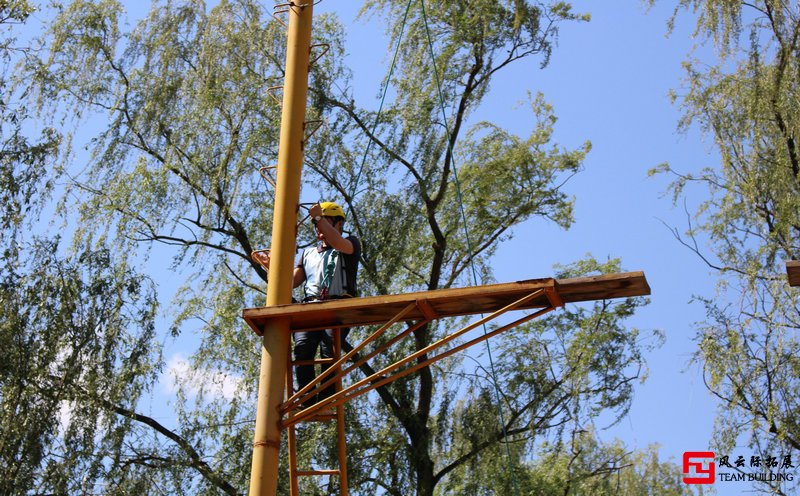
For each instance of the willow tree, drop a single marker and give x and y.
(747, 102)
(582, 465)
(24, 160)
(187, 123)
(76, 343)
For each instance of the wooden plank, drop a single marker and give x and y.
(793, 271)
(450, 302)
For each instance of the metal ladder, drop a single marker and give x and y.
(322, 416)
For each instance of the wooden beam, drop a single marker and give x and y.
(450, 302)
(793, 271)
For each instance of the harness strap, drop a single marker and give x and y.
(327, 277)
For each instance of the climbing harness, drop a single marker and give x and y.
(329, 261)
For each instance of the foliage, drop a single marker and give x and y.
(585, 466)
(747, 102)
(76, 336)
(24, 178)
(558, 373)
(186, 125)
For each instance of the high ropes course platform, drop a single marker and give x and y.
(793, 272)
(451, 302)
(279, 406)
(538, 296)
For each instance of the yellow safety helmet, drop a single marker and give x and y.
(330, 209)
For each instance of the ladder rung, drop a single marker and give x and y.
(312, 362)
(305, 473)
(321, 417)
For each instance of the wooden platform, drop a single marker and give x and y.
(793, 271)
(450, 302)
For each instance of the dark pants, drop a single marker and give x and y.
(305, 348)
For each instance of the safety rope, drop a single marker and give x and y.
(460, 198)
(354, 191)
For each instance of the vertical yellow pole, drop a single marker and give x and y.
(341, 438)
(274, 356)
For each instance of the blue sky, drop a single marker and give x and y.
(608, 81)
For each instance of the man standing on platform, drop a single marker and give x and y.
(326, 271)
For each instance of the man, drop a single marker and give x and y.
(326, 271)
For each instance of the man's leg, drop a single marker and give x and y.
(305, 348)
(326, 351)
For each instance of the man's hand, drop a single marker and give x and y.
(315, 211)
(261, 257)
(328, 232)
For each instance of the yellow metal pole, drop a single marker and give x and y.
(274, 352)
(294, 488)
(340, 433)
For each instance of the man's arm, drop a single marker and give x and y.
(329, 232)
(299, 276)
(334, 238)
